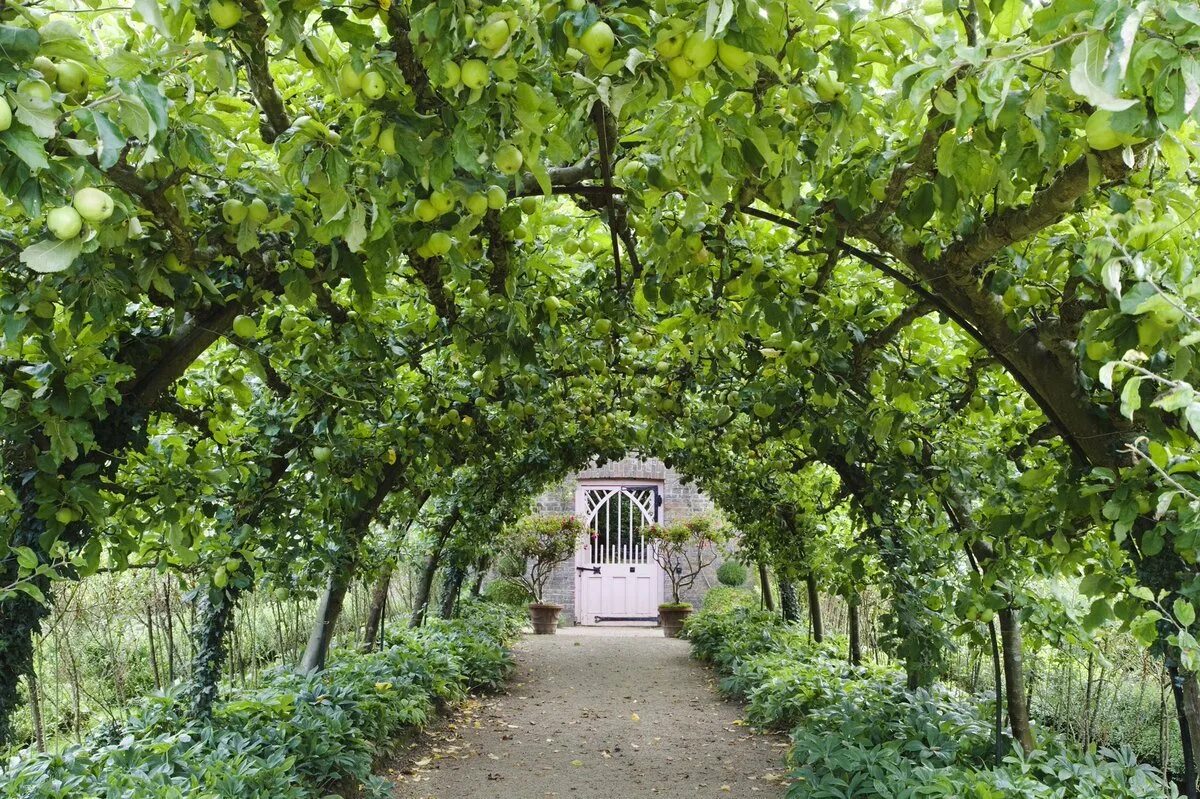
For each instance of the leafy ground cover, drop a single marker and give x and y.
(297, 737)
(858, 731)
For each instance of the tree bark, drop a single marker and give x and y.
(481, 571)
(997, 678)
(1014, 678)
(1187, 707)
(425, 586)
(379, 598)
(764, 580)
(855, 635)
(450, 591)
(35, 709)
(789, 603)
(216, 615)
(814, 609)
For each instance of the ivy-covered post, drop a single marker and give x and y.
(215, 611)
(789, 603)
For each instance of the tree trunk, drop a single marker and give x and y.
(855, 635)
(1187, 707)
(379, 598)
(789, 603)
(997, 679)
(328, 611)
(480, 575)
(1014, 678)
(153, 649)
(764, 580)
(216, 614)
(451, 589)
(814, 609)
(35, 709)
(425, 586)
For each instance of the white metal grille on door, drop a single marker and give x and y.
(619, 580)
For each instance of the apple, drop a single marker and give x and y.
(245, 326)
(670, 46)
(699, 50)
(5, 114)
(440, 243)
(477, 204)
(46, 67)
(225, 13)
(1102, 136)
(92, 204)
(576, 5)
(528, 205)
(494, 35)
(907, 447)
(233, 211)
(72, 77)
(65, 515)
(442, 201)
(597, 41)
(258, 211)
(424, 250)
(681, 68)
(387, 140)
(453, 75)
(424, 211)
(36, 90)
(507, 68)
(734, 58)
(173, 264)
(475, 74)
(828, 88)
(64, 222)
(497, 198)
(508, 159)
(349, 80)
(373, 85)
(322, 454)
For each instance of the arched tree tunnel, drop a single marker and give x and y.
(907, 290)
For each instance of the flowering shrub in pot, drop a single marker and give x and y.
(683, 550)
(543, 542)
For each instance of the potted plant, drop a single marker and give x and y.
(683, 550)
(543, 542)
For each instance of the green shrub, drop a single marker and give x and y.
(732, 573)
(297, 737)
(724, 598)
(858, 731)
(507, 592)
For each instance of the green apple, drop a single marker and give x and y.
(670, 45)
(373, 85)
(245, 326)
(507, 68)
(734, 58)
(907, 447)
(440, 243)
(65, 515)
(829, 89)
(597, 42)
(453, 75)
(225, 13)
(494, 35)
(528, 205)
(681, 68)
(5, 114)
(1100, 133)
(763, 409)
(424, 250)
(576, 5)
(475, 74)
(349, 81)
(258, 211)
(424, 211)
(322, 454)
(36, 90)
(699, 50)
(508, 159)
(233, 211)
(64, 222)
(46, 67)
(442, 201)
(92, 204)
(387, 140)
(477, 204)
(72, 77)
(497, 198)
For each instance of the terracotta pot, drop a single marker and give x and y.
(544, 617)
(672, 618)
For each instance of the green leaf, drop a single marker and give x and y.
(18, 44)
(52, 255)
(1185, 614)
(150, 13)
(1089, 65)
(24, 145)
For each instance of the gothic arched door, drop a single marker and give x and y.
(617, 578)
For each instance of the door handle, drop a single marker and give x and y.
(592, 569)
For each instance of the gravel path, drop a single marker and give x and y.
(596, 714)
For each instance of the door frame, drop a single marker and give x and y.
(582, 557)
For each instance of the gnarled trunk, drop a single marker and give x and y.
(451, 589)
(789, 603)
(328, 611)
(1014, 678)
(814, 609)
(379, 597)
(855, 635)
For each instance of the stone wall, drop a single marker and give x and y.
(680, 501)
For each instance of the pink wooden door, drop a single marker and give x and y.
(618, 581)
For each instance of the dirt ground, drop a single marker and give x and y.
(596, 714)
